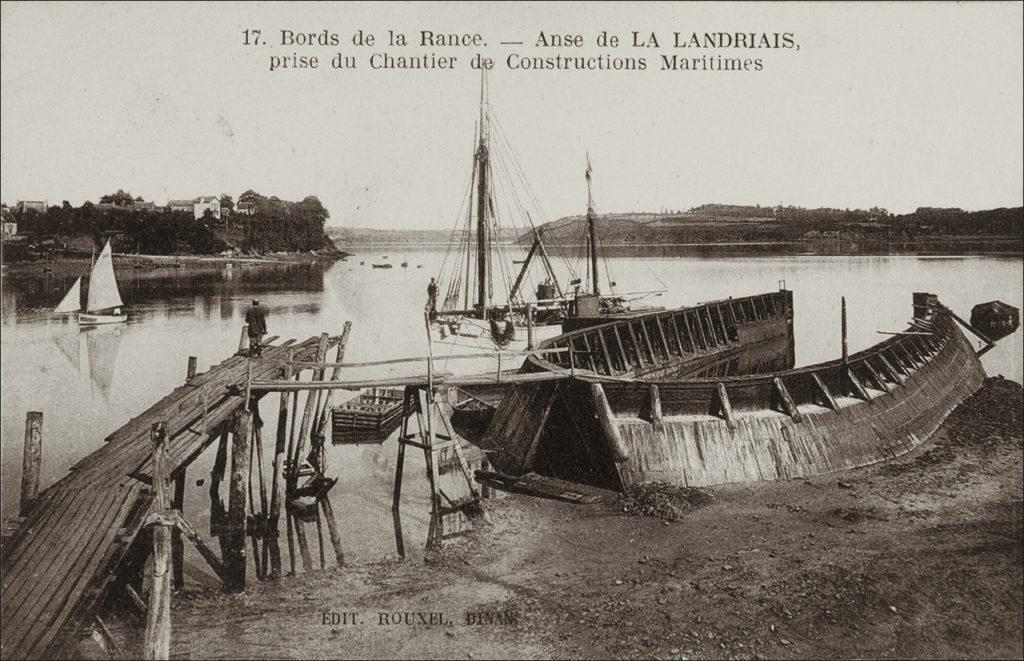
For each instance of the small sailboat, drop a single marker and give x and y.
(103, 305)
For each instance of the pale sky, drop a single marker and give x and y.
(895, 105)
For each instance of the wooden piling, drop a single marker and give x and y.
(277, 486)
(725, 406)
(192, 364)
(846, 349)
(157, 643)
(31, 461)
(332, 529)
(308, 415)
(177, 543)
(529, 327)
(654, 406)
(243, 340)
(238, 504)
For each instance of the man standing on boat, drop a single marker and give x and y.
(432, 298)
(257, 321)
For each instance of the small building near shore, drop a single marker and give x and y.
(180, 205)
(31, 205)
(203, 204)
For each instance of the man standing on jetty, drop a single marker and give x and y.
(257, 321)
(432, 298)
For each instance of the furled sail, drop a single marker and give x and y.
(72, 301)
(103, 291)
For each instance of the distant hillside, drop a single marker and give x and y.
(348, 237)
(720, 223)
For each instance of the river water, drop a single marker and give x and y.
(89, 383)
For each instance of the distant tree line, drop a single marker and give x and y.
(270, 225)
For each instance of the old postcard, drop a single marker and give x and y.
(511, 330)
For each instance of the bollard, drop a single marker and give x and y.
(192, 364)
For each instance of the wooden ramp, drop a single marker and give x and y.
(57, 567)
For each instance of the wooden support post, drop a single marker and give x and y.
(605, 354)
(308, 415)
(157, 643)
(895, 373)
(788, 405)
(626, 362)
(277, 485)
(724, 406)
(529, 327)
(191, 370)
(826, 394)
(31, 460)
(856, 385)
(320, 540)
(186, 529)
(675, 331)
(177, 543)
(399, 466)
(243, 339)
(876, 377)
(664, 338)
(238, 504)
(711, 325)
(606, 418)
(846, 350)
(725, 328)
(653, 407)
(636, 345)
(700, 327)
(332, 528)
(647, 342)
(590, 353)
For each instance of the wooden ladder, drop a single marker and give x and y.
(420, 401)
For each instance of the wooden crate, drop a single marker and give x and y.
(373, 411)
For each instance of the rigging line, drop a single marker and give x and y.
(458, 216)
(516, 202)
(530, 192)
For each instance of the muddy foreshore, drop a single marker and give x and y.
(921, 557)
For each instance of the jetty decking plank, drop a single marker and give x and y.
(56, 567)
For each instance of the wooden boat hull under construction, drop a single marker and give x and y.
(879, 404)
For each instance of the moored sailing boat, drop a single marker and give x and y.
(465, 311)
(103, 304)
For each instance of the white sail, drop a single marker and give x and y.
(103, 291)
(72, 301)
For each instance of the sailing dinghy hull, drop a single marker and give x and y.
(87, 319)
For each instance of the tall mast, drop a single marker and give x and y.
(481, 202)
(592, 234)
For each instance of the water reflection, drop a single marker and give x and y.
(93, 354)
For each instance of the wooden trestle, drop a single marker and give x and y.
(86, 537)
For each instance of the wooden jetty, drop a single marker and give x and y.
(874, 405)
(85, 538)
(82, 545)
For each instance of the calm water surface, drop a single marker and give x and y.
(89, 383)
